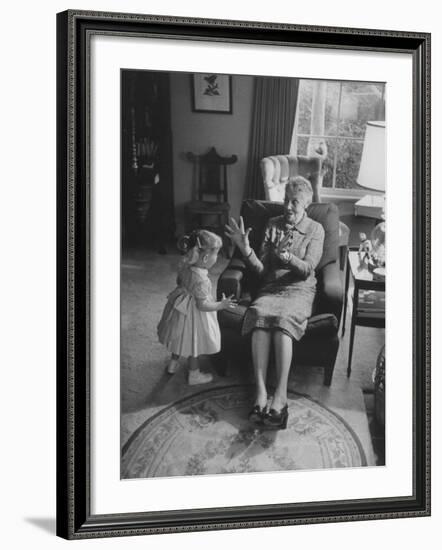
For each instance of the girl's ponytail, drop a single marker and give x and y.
(190, 245)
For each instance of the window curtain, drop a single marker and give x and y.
(273, 118)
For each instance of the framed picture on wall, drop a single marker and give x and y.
(211, 93)
(190, 393)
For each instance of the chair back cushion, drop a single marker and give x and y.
(256, 214)
(278, 169)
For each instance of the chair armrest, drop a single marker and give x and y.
(230, 280)
(331, 290)
(344, 235)
(232, 318)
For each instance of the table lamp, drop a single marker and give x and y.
(372, 168)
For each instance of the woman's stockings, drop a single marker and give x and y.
(283, 346)
(260, 355)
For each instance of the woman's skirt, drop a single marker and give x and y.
(282, 305)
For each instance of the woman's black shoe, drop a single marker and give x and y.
(257, 414)
(277, 419)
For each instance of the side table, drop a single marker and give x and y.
(363, 314)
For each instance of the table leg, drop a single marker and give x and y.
(347, 279)
(353, 325)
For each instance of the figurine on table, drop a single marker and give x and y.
(365, 248)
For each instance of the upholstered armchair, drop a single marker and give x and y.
(319, 346)
(278, 169)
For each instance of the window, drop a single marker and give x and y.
(331, 118)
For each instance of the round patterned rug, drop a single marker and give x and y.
(208, 433)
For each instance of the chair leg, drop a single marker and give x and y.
(329, 363)
(221, 364)
(328, 373)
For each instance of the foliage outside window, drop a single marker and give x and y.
(335, 113)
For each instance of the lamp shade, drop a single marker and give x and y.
(372, 168)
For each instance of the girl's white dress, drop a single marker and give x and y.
(183, 328)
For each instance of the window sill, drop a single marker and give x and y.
(345, 195)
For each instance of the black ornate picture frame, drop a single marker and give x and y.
(74, 517)
(211, 93)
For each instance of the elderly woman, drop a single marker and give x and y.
(290, 252)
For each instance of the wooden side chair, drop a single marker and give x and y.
(210, 206)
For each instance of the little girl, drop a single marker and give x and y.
(189, 326)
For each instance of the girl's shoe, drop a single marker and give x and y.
(198, 377)
(256, 415)
(277, 419)
(172, 367)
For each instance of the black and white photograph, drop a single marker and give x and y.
(253, 269)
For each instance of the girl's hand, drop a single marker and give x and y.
(227, 303)
(238, 235)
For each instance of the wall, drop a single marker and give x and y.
(196, 132)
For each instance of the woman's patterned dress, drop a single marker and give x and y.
(286, 296)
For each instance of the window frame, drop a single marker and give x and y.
(333, 191)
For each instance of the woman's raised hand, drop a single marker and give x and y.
(238, 235)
